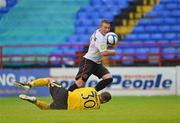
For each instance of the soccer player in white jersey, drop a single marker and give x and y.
(91, 62)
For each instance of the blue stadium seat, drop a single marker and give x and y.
(96, 22)
(165, 13)
(178, 36)
(154, 50)
(145, 36)
(91, 30)
(56, 60)
(170, 36)
(88, 9)
(81, 30)
(84, 39)
(95, 2)
(152, 14)
(108, 16)
(128, 56)
(4, 10)
(151, 28)
(165, 1)
(96, 7)
(154, 55)
(121, 3)
(163, 43)
(157, 21)
(164, 28)
(130, 37)
(73, 39)
(168, 53)
(176, 13)
(69, 60)
(142, 53)
(118, 56)
(157, 36)
(158, 7)
(11, 3)
(178, 52)
(175, 28)
(114, 11)
(172, 6)
(94, 15)
(178, 20)
(108, 2)
(170, 20)
(81, 15)
(138, 29)
(83, 22)
(69, 49)
(144, 21)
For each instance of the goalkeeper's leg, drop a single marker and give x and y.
(40, 104)
(37, 82)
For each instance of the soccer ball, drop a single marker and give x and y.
(111, 38)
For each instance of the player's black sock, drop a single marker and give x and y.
(103, 83)
(72, 87)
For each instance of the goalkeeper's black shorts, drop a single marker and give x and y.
(59, 95)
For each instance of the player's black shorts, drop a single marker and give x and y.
(88, 67)
(59, 95)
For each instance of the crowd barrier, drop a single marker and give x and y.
(122, 58)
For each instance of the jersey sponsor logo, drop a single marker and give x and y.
(103, 47)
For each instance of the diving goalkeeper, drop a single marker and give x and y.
(80, 99)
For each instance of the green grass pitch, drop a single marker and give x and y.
(155, 109)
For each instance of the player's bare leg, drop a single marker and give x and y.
(80, 83)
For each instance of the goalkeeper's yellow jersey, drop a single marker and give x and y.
(83, 98)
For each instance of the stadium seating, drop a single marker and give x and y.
(37, 22)
(128, 56)
(168, 53)
(163, 21)
(88, 18)
(159, 25)
(142, 53)
(178, 52)
(74, 21)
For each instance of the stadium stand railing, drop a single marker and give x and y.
(158, 54)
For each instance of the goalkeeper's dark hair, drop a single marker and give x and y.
(105, 97)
